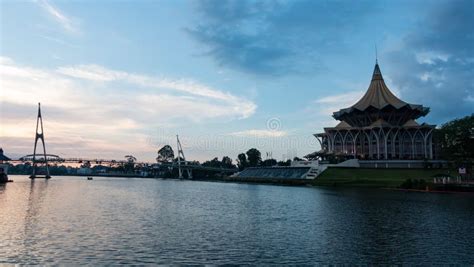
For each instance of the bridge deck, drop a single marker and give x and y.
(184, 165)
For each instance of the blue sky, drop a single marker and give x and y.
(123, 77)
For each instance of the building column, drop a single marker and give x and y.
(354, 140)
(385, 143)
(425, 153)
(369, 142)
(320, 141)
(429, 142)
(394, 138)
(400, 146)
(378, 145)
(332, 142)
(346, 145)
(429, 138)
(431, 146)
(343, 139)
(329, 138)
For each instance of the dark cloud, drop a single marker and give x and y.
(435, 66)
(271, 37)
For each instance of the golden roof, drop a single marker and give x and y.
(380, 123)
(343, 124)
(379, 96)
(411, 123)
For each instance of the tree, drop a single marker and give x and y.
(455, 140)
(242, 162)
(180, 159)
(254, 157)
(269, 162)
(215, 163)
(284, 163)
(86, 164)
(130, 165)
(165, 154)
(130, 159)
(227, 163)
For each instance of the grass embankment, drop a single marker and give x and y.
(373, 177)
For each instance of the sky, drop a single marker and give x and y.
(116, 78)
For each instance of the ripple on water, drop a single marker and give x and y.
(147, 221)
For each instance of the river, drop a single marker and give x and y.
(69, 220)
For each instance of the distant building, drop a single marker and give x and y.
(3, 157)
(3, 167)
(379, 126)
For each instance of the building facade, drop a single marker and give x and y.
(379, 126)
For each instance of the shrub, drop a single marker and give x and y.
(419, 184)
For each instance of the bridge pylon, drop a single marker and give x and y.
(181, 154)
(39, 135)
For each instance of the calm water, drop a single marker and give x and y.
(116, 220)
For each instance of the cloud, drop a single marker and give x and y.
(259, 133)
(5, 60)
(98, 73)
(91, 72)
(114, 110)
(430, 57)
(57, 40)
(343, 99)
(435, 65)
(273, 37)
(67, 23)
(329, 104)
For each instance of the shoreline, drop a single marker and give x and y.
(428, 191)
(280, 182)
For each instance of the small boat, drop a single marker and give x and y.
(89, 178)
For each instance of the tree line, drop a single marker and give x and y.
(455, 141)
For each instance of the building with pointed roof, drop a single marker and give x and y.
(378, 126)
(3, 157)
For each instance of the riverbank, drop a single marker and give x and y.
(332, 177)
(272, 181)
(378, 178)
(430, 191)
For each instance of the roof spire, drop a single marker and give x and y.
(377, 75)
(376, 56)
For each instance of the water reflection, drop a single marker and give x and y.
(2, 188)
(140, 221)
(32, 222)
(37, 192)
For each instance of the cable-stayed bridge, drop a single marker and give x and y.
(44, 159)
(184, 165)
